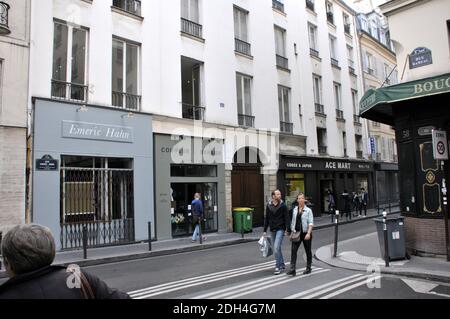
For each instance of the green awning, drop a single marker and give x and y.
(376, 104)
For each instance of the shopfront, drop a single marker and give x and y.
(387, 190)
(315, 176)
(92, 169)
(416, 108)
(186, 166)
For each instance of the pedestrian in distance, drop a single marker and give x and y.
(331, 202)
(346, 204)
(197, 216)
(277, 217)
(302, 223)
(364, 202)
(356, 204)
(28, 252)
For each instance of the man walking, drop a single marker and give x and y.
(197, 216)
(364, 201)
(277, 217)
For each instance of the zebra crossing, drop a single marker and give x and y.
(287, 285)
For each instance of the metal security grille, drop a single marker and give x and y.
(101, 199)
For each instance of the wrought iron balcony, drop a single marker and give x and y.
(130, 6)
(286, 127)
(347, 28)
(330, 17)
(351, 70)
(314, 52)
(242, 47)
(246, 120)
(359, 154)
(278, 5)
(334, 62)
(191, 27)
(282, 62)
(339, 114)
(310, 5)
(4, 10)
(356, 119)
(370, 71)
(69, 91)
(322, 150)
(126, 101)
(320, 109)
(193, 112)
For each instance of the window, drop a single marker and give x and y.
(295, 183)
(131, 6)
(284, 103)
(312, 30)
(386, 73)
(337, 96)
(322, 141)
(330, 16)
(346, 20)
(69, 62)
(317, 85)
(241, 31)
(333, 47)
(280, 41)
(355, 102)
(190, 10)
(363, 22)
(344, 143)
(125, 75)
(244, 100)
(374, 29)
(369, 63)
(350, 56)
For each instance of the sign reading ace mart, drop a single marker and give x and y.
(404, 91)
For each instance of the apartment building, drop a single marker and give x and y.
(14, 57)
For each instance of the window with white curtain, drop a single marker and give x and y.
(244, 94)
(280, 41)
(312, 30)
(284, 103)
(240, 24)
(190, 10)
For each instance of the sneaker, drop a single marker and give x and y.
(193, 241)
(283, 268)
(277, 271)
(204, 238)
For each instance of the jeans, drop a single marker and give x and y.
(277, 241)
(296, 246)
(196, 232)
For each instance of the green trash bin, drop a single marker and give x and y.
(246, 222)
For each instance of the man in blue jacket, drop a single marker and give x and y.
(197, 216)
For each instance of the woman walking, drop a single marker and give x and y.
(302, 223)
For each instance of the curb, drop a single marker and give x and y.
(403, 273)
(354, 220)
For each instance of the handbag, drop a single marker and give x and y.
(295, 237)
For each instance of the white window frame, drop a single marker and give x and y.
(189, 13)
(312, 35)
(350, 56)
(283, 40)
(333, 48)
(138, 65)
(355, 102)
(317, 90)
(337, 90)
(329, 6)
(283, 106)
(238, 33)
(242, 78)
(70, 28)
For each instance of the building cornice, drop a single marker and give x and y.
(395, 6)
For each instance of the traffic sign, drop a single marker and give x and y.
(440, 145)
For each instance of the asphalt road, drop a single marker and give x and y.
(239, 272)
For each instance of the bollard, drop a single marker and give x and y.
(386, 243)
(336, 229)
(149, 236)
(242, 226)
(200, 230)
(85, 241)
(1, 237)
(390, 211)
(378, 208)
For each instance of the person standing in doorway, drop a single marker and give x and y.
(356, 204)
(364, 202)
(277, 217)
(346, 204)
(302, 221)
(197, 216)
(331, 203)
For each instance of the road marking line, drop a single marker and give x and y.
(321, 287)
(195, 283)
(246, 284)
(341, 291)
(276, 284)
(324, 291)
(208, 276)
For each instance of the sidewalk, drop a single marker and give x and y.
(360, 252)
(105, 255)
